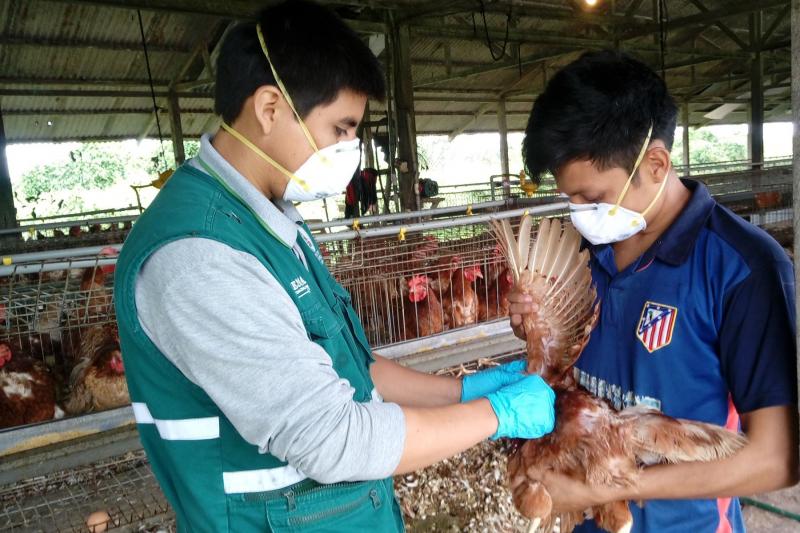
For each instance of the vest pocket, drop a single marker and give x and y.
(321, 323)
(357, 506)
(248, 516)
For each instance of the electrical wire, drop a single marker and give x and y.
(152, 87)
(489, 42)
(663, 20)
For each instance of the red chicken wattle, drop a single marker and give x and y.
(592, 442)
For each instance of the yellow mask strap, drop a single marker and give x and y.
(241, 138)
(660, 190)
(282, 87)
(639, 159)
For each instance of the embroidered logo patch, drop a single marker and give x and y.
(300, 287)
(656, 325)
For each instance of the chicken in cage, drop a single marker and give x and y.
(58, 343)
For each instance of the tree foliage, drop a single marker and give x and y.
(92, 166)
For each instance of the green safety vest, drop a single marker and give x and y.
(214, 479)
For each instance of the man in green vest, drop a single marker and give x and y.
(257, 397)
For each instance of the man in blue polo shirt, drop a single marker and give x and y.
(697, 315)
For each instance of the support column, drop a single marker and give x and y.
(176, 128)
(796, 122)
(8, 213)
(756, 92)
(502, 127)
(408, 170)
(685, 119)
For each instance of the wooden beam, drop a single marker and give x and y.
(8, 213)
(408, 171)
(176, 129)
(756, 91)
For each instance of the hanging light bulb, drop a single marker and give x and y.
(591, 3)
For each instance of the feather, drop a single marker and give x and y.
(535, 262)
(524, 240)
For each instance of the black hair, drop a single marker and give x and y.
(314, 52)
(598, 108)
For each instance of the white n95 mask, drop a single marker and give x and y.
(326, 172)
(602, 223)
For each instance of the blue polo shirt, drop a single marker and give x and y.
(702, 326)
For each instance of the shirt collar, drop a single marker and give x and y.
(281, 216)
(677, 242)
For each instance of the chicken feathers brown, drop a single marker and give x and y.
(591, 442)
(27, 388)
(98, 380)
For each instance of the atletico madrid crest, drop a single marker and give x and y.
(656, 325)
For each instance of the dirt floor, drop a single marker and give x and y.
(760, 521)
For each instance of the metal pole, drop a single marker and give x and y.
(756, 92)
(409, 215)
(8, 213)
(544, 210)
(796, 138)
(686, 150)
(176, 128)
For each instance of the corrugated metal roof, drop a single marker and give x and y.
(76, 70)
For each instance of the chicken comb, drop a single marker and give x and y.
(548, 265)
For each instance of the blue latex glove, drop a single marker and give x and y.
(524, 409)
(478, 385)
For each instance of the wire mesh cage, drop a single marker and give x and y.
(406, 287)
(120, 494)
(58, 337)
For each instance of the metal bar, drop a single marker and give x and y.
(237, 9)
(73, 112)
(779, 18)
(722, 26)
(730, 9)
(796, 145)
(407, 215)
(53, 225)
(89, 44)
(544, 210)
(99, 93)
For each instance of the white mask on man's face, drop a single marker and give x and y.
(603, 223)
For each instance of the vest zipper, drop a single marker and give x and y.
(290, 501)
(340, 509)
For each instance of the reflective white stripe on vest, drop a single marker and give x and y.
(261, 480)
(180, 429)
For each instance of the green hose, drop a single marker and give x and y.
(771, 508)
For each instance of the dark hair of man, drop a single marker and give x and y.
(597, 108)
(314, 52)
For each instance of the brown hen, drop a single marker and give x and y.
(98, 381)
(591, 442)
(27, 388)
(460, 303)
(422, 311)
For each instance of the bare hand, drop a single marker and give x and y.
(569, 495)
(520, 304)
